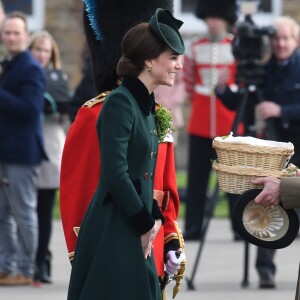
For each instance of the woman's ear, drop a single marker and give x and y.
(148, 64)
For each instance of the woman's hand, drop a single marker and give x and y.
(156, 227)
(148, 238)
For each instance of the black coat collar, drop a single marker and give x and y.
(141, 94)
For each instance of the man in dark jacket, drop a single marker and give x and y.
(22, 85)
(280, 109)
(281, 104)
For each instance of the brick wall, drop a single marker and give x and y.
(64, 22)
(291, 8)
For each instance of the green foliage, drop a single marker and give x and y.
(181, 179)
(164, 123)
(56, 210)
(221, 209)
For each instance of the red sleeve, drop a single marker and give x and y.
(170, 184)
(80, 170)
(165, 180)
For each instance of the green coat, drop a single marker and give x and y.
(109, 262)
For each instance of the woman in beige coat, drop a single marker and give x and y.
(45, 49)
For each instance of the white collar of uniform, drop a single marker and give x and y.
(168, 139)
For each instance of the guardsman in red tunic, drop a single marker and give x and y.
(79, 180)
(204, 60)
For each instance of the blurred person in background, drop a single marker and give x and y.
(205, 58)
(281, 105)
(45, 49)
(279, 108)
(22, 87)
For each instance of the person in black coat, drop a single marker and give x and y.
(278, 107)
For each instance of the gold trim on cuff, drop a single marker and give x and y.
(170, 237)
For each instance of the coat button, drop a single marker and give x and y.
(146, 176)
(152, 175)
(153, 154)
(154, 132)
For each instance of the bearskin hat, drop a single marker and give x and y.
(105, 23)
(225, 9)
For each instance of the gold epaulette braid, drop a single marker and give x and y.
(98, 99)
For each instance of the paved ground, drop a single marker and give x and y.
(218, 277)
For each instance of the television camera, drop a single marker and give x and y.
(249, 47)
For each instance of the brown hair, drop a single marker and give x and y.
(139, 44)
(45, 35)
(16, 14)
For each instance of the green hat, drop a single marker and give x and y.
(165, 27)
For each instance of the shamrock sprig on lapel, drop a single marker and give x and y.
(164, 122)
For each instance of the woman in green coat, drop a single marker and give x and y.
(113, 256)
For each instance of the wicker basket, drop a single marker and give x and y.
(237, 179)
(264, 157)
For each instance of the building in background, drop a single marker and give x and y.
(63, 19)
(184, 10)
(34, 9)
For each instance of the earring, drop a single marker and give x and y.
(149, 69)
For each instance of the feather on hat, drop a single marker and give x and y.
(105, 23)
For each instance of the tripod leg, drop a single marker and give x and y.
(211, 202)
(245, 282)
(234, 199)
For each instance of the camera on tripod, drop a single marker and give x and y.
(249, 47)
